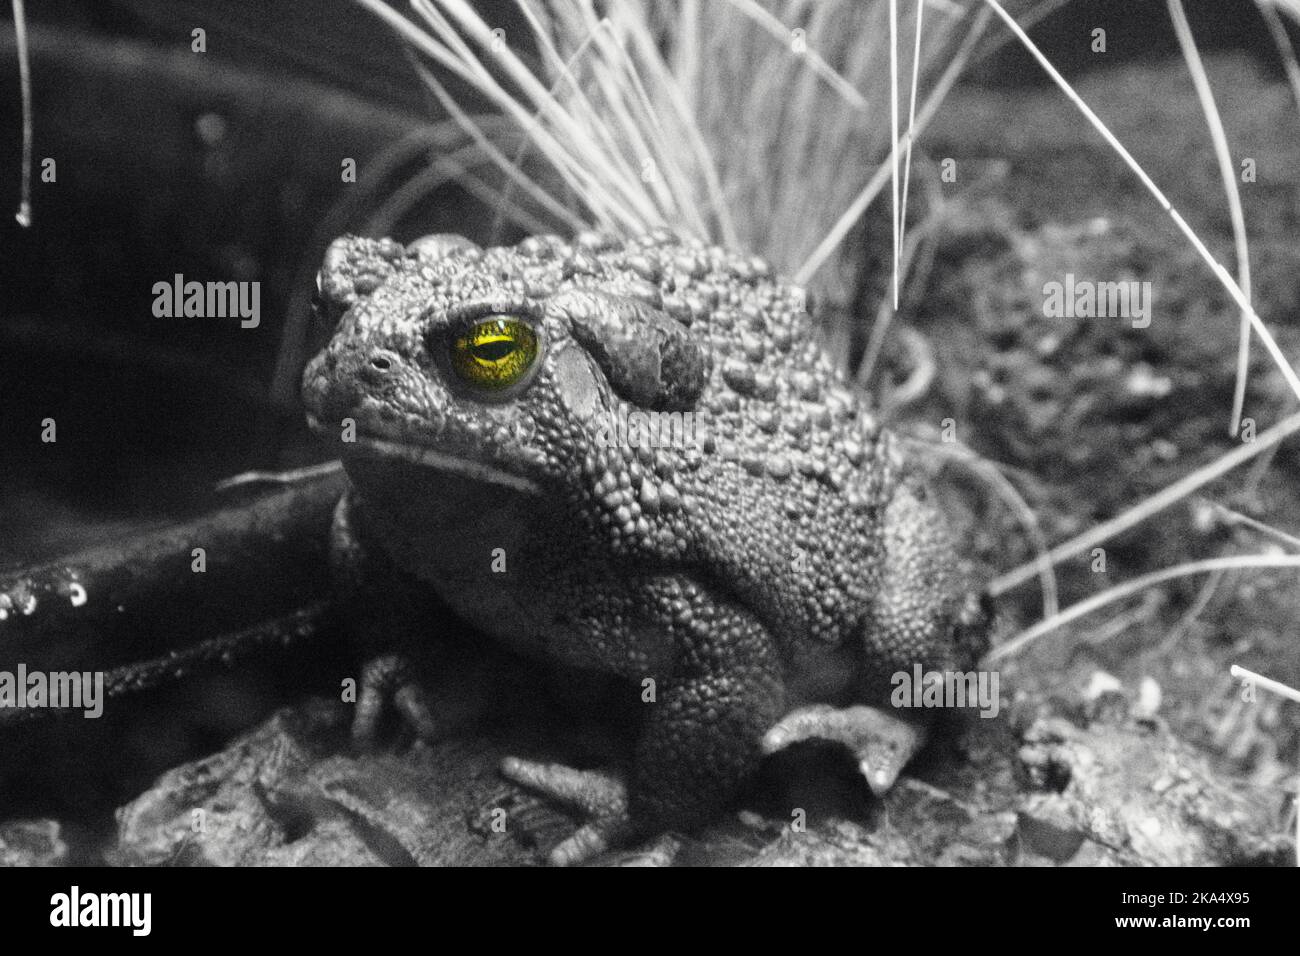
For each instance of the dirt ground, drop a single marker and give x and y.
(1090, 415)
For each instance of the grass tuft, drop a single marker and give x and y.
(731, 121)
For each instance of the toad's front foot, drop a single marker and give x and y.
(600, 796)
(882, 743)
(391, 679)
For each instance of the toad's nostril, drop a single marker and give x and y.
(377, 368)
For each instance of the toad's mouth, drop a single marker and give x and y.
(388, 448)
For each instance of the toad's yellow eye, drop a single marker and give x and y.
(494, 353)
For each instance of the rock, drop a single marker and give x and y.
(1047, 827)
(288, 793)
(32, 843)
(1144, 797)
(1150, 696)
(1101, 683)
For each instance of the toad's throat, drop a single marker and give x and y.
(423, 456)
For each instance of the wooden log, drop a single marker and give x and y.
(224, 651)
(145, 597)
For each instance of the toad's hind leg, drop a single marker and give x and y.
(923, 615)
(924, 612)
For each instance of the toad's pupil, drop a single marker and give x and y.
(495, 350)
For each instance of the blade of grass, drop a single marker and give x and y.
(565, 69)
(893, 136)
(1227, 171)
(24, 214)
(911, 126)
(991, 473)
(1121, 591)
(1152, 505)
(1277, 687)
(819, 66)
(1231, 516)
(614, 163)
(686, 119)
(530, 187)
(455, 167)
(854, 211)
(621, 202)
(1278, 32)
